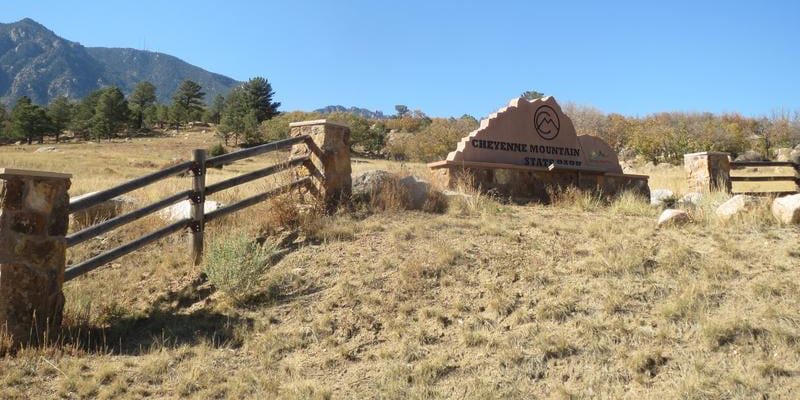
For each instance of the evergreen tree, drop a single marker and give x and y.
(29, 121)
(60, 113)
(532, 95)
(162, 115)
(83, 113)
(236, 109)
(259, 93)
(141, 101)
(401, 110)
(245, 108)
(3, 120)
(111, 113)
(214, 113)
(187, 102)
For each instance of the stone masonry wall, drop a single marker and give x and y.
(330, 155)
(33, 223)
(707, 171)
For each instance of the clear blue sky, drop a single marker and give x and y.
(454, 57)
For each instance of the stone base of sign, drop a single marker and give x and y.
(708, 171)
(33, 221)
(526, 184)
(330, 156)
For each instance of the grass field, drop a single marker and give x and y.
(577, 299)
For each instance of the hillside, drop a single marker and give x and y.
(489, 300)
(37, 63)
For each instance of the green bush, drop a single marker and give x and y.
(235, 264)
(217, 150)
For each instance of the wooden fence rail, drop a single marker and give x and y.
(764, 177)
(196, 195)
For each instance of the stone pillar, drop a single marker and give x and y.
(708, 171)
(34, 215)
(330, 156)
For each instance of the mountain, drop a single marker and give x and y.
(361, 112)
(37, 63)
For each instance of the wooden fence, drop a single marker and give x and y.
(196, 195)
(764, 177)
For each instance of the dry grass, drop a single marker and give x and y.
(581, 299)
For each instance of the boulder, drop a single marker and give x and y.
(787, 209)
(691, 199)
(417, 191)
(183, 210)
(794, 156)
(662, 197)
(103, 211)
(735, 205)
(673, 217)
(49, 149)
(783, 154)
(369, 183)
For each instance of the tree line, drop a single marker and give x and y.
(248, 115)
(107, 112)
(667, 136)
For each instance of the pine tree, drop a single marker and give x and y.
(60, 112)
(532, 95)
(259, 93)
(3, 120)
(141, 101)
(214, 113)
(83, 113)
(111, 113)
(187, 102)
(29, 121)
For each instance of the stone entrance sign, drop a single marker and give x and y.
(527, 147)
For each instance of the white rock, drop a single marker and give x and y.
(787, 209)
(673, 217)
(691, 199)
(417, 190)
(736, 205)
(103, 211)
(49, 149)
(183, 210)
(659, 197)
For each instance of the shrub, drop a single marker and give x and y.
(234, 265)
(217, 150)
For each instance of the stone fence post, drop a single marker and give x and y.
(708, 171)
(34, 215)
(330, 156)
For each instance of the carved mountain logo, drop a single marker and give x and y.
(546, 122)
(598, 155)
